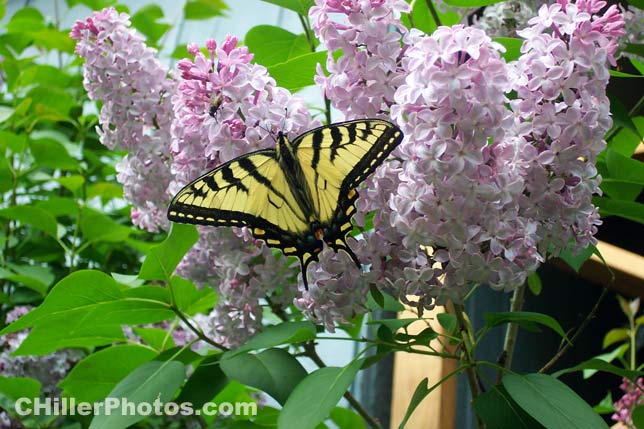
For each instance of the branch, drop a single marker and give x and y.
(568, 344)
(468, 352)
(197, 331)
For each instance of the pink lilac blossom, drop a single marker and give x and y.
(362, 81)
(49, 369)
(633, 31)
(460, 194)
(473, 199)
(505, 18)
(633, 397)
(249, 111)
(125, 75)
(562, 113)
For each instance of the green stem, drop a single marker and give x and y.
(632, 336)
(432, 10)
(196, 330)
(516, 304)
(307, 31)
(468, 355)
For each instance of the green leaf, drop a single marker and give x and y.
(600, 365)
(204, 383)
(59, 206)
(105, 190)
(635, 48)
(52, 39)
(621, 117)
(27, 281)
(273, 45)
(51, 102)
(15, 388)
(616, 73)
(512, 47)
(606, 406)
(26, 18)
(422, 390)
(146, 20)
(96, 227)
(87, 299)
(273, 371)
(163, 258)
(150, 381)
(448, 322)
(203, 9)
(637, 415)
(299, 6)
(316, 395)
(534, 283)
(471, 3)
(576, 260)
(34, 216)
(189, 299)
(73, 183)
(526, 319)
(388, 303)
(94, 377)
(625, 177)
(60, 332)
(158, 338)
(626, 209)
(376, 295)
(17, 143)
(180, 354)
(271, 336)
(5, 113)
(551, 402)
(615, 336)
(499, 411)
(345, 418)
(298, 72)
(394, 324)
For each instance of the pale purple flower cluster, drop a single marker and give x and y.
(482, 193)
(459, 190)
(633, 31)
(505, 18)
(48, 369)
(562, 113)
(124, 74)
(633, 397)
(362, 81)
(225, 106)
(482, 189)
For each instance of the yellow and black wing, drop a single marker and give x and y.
(335, 159)
(251, 190)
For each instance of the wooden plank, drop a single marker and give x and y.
(437, 411)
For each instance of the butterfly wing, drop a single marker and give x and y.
(335, 159)
(251, 191)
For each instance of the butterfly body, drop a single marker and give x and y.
(296, 197)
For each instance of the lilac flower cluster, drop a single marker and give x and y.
(482, 192)
(505, 18)
(362, 82)
(49, 369)
(226, 106)
(132, 85)
(633, 397)
(562, 113)
(482, 189)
